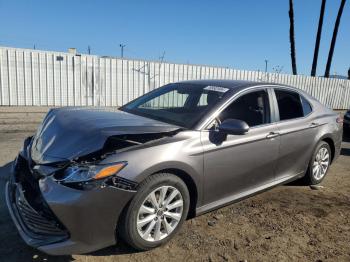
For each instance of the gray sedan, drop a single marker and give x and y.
(90, 177)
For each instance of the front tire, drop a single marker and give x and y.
(156, 212)
(319, 164)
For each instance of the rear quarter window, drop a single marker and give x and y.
(307, 108)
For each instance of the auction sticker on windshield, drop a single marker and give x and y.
(216, 89)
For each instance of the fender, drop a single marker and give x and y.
(181, 166)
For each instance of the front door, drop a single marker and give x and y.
(240, 164)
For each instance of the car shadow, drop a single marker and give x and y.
(120, 249)
(298, 182)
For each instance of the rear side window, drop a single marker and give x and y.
(289, 104)
(306, 106)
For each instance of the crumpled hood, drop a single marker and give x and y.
(68, 133)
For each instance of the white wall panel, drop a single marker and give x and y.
(41, 78)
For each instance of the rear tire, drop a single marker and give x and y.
(319, 164)
(156, 213)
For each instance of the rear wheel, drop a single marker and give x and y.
(156, 212)
(319, 164)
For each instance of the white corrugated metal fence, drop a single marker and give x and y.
(41, 78)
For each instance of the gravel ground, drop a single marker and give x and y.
(287, 223)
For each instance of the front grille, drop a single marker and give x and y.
(34, 212)
(35, 222)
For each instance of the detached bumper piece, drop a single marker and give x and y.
(34, 220)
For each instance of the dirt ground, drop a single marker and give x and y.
(287, 223)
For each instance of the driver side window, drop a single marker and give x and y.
(253, 108)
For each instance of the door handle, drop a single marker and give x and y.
(314, 124)
(272, 135)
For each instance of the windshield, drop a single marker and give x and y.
(180, 104)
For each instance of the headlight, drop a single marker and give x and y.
(84, 173)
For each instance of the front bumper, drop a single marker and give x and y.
(33, 227)
(82, 221)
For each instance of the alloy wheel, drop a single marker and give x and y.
(321, 163)
(160, 213)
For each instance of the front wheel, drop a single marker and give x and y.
(156, 212)
(319, 163)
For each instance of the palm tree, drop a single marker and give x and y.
(318, 39)
(291, 37)
(334, 38)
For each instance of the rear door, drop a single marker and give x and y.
(297, 132)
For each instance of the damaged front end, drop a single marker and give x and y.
(86, 172)
(75, 133)
(62, 211)
(118, 143)
(35, 221)
(60, 196)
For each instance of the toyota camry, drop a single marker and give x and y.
(90, 177)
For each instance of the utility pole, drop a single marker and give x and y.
(89, 50)
(122, 50)
(161, 58)
(266, 65)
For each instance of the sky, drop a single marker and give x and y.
(230, 33)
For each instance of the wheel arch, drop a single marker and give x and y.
(190, 173)
(329, 140)
(191, 186)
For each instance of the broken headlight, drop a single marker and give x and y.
(86, 173)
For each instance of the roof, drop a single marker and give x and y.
(232, 84)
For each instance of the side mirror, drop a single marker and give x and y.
(234, 127)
